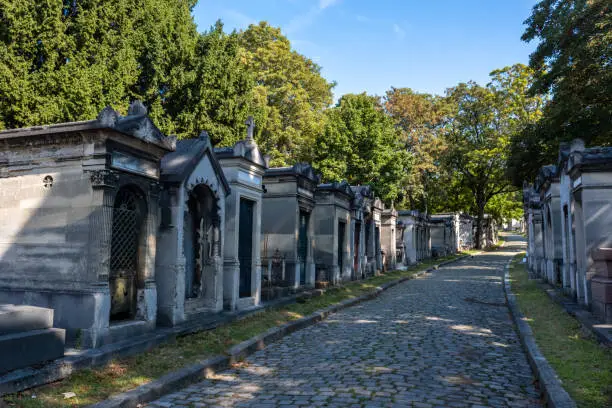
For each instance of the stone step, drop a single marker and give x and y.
(18, 350)
(23, 318)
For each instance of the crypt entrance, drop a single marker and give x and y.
(128, 251)
(201, 248)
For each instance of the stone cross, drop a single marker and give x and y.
(250, 127)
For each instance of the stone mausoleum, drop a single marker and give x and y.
(244, 167)
(388, 238)
(189, 268)
(287, 225)
(569, 219)
(359, 212)
(414, 236)
(332, 222)
(78, 222)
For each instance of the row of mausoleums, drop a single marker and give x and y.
(119, 228)
(568, 212)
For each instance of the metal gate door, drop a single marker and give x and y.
(245, 246)
(357, 272)
(127, 217)
(303, 245)
(341, 230)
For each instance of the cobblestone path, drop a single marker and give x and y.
(444, 340)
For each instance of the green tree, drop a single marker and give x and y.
(485, 121)
(65, 60)
(290, 95)
(573, 65)
(361, 145)
(422, 121)
(217, 93)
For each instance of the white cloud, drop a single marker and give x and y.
(399, 32)
(323, 4)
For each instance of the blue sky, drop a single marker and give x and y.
(371, 45)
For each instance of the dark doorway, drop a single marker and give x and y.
(303, 245)
(198, 237)
(341, 230)
(356, 248)
(125, 263)
(245, 246)
(377, 244)
(368, 239)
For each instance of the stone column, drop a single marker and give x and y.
(601, 284)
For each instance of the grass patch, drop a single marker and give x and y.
(584, 366)
(96, 384)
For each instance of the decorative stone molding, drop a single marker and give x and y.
(104, 178)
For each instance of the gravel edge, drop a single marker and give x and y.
(552, 390)
(206, 368)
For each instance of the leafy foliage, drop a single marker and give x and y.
(573, 62)
(360, 144)
(65, 60)
(421, 120)
(486, 119)
(217, 94)
(290, 95)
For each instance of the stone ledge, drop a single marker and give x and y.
(551, 388)
(194, 373)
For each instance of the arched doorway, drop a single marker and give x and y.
(127, 252)
(200, 239)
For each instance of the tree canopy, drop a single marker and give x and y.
(572, 63)
(65, 60)
(290, 95)
(361, 145)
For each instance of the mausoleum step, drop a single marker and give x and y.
(23, 318)
(18, 350)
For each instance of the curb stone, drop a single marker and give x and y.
(551, 388)
(196, 372)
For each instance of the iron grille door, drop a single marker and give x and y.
(245, 246)
(124, 254)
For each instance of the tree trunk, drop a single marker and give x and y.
(480, 204)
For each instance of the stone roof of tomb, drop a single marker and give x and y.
(298, 170)
(136, 123)
(546, 175)
(593, 158)
(246, 148)
(178, 165)
(338, 186)
(363, 196)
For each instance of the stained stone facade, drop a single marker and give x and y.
(190, 239)
(569, 219)
(360, 209)
(287, 225)
(371, 209)
(332, 223)
(547, 185)
(442, 236)
(244, 167)
(590, 176)
(389, 238)
(533, 216)
(414, 236)
(466, 232)
(78, 222)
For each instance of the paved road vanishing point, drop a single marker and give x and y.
(444, 340)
